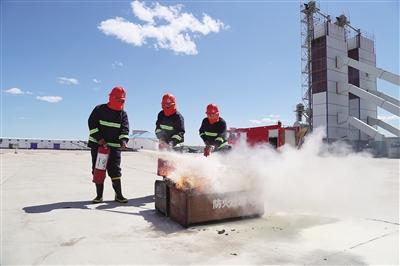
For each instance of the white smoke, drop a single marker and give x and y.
(318, 178)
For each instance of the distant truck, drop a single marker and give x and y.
(275, 135)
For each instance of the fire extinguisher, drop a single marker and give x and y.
(99, 172)
(163, 166)
(208, 149)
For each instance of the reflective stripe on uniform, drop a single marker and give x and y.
(115, 145)
(201, 134)
(222, 145)
(109, 124)
(158, 130)
(220, 139)
(176, 137)
(123, 136)
(94, 130)
(211, 134)
(115, 178)
(166, 127)
(92, 139)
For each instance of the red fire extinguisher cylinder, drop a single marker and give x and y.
(99, 172)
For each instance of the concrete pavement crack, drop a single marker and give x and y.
(373, 239)
(384, 221)
(42, 258)
(358, 245)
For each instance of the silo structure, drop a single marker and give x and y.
(329, 41)
(362, 49)
(339, 85)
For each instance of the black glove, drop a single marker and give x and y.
(224, 148)
(102, 142)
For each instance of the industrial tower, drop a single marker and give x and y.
(340, 80)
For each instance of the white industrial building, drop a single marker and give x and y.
(29, 143)
(139, 139)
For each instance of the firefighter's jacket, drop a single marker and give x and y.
(170, 128)
(110, 125)
(214, 134)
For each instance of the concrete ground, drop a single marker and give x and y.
(47, 218)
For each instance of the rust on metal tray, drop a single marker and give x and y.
(190, 204)
(164, 167)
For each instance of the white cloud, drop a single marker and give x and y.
(17, 91)
(269, 119)
(170, 28)
(388, 117)
(117, 64)
(96, 81)
(50, 99)
(14, 91)
(67, 81)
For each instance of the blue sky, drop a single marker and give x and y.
(61, 58)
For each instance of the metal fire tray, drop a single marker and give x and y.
(161, 195)
(188, 207)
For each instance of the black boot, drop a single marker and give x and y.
(118, 191)
(99, 191)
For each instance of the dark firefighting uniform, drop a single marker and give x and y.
(170, 128)
(214, 134)
(113, 127)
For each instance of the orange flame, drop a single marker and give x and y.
(190, 182)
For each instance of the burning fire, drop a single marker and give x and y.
(191, 182)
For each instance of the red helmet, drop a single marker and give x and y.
(118, 92)
(168, 104)
(212, 109)
(212, 113)
(116, 99)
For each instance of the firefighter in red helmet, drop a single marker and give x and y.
(109, 125)
(213, 131)
(170, 126)
(170, 131)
